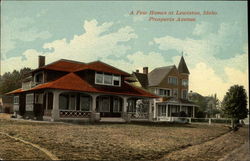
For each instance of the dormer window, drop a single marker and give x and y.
(107, 79)
(98, 78)
(38, 78)
(116, 80)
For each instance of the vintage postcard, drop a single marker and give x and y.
(124, 80)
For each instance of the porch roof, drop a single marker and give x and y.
(178, 101)
(73, 82)
(75, 66)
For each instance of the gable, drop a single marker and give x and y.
(142, 79)
(63, 65)
(103, 67)
(174, 73)
(156, 76)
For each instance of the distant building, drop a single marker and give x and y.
(6, 104)
(171, 84)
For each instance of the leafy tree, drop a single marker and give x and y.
(234, 104)
(11, 81)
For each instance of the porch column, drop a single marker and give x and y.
(150, 114)
(193, 111)
(125, 109)
(155, 109)
(180, 108)
(47, 100)
(125, 104)
(167, 110)
(55, 110)
(94, 116)
(170, 111)
(93, 108)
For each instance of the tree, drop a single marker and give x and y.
(234, 104)
(11, 81)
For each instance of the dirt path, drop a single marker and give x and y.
(214, 149)
(48, 153)
(241, 153)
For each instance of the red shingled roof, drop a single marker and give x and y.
(63, 65)
(20, 90)
(74, 66)
(103, 67)
(73, 82)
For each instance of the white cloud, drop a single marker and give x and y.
(210, 74)
(204, 80)
(96, 43)
(18, 29)
(202, 28)
(138, 60)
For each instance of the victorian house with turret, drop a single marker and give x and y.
(171, 84)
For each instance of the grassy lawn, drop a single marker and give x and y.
(102, 141)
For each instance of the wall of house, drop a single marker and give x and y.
(173, 73)
(50, 75)
(89, 76)
(181, 87)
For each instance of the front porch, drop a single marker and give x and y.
(70, 105)
(174, 112)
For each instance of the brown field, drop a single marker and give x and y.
(115, 141)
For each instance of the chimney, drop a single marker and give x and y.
(137, 71)
(41, 61)
(145, 70)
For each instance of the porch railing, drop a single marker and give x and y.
(47, 112)
(74, 114)
(138, 115)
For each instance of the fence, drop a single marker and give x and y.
(210, 120)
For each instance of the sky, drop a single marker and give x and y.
(214, 46)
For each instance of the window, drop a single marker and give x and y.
(116, 105)
(172, 80)
(85, 103)
(38, 78)
(131, 106)
(72, 101)
(39, 98)
(175, 93)
(162, 110)
(107, 79)
(16, 99)
(184, 94)
(105, 104)
(63, 102)
(164, 92)
(99, 78)
(30, 98)
(184, 82)
(116, 80)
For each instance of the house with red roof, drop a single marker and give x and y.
(66, 90)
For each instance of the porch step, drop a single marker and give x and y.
(112, 119)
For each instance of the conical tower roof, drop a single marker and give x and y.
(182, 67)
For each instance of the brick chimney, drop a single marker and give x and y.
(137, 71)
(41, 61)
(145, 70)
